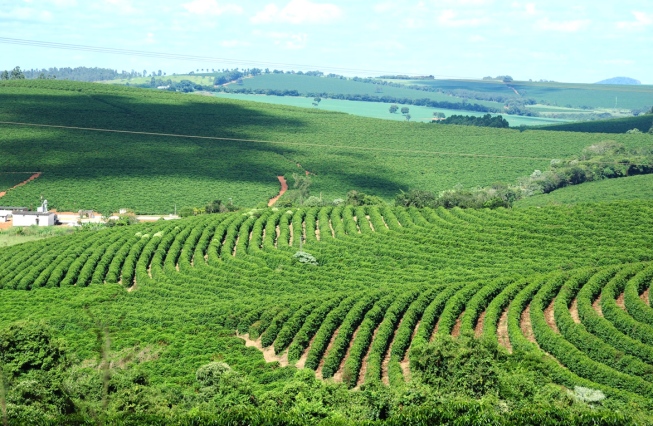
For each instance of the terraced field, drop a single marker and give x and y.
(569, 285)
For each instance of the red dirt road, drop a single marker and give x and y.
(284, 188)
(31, 178)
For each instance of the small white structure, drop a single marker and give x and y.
(7, 212)
(41, 217)
(34, 218)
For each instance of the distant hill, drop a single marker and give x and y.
(621, 80)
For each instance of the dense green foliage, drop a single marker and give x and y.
(486, 121)
(389, 286)
(152, 174)
(618, 125)
(631, 188)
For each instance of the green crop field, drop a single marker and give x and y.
(106, 171)
(559, 94)
(631, 188)
(9, 180)
(559, 295)
(620, 125)
(380, 110)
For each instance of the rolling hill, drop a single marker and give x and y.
(240, 149)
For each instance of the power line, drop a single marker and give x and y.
(304, 144)
(193, 58)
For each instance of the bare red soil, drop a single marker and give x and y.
(284, 188)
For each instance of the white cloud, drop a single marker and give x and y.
(298, 12)
(27, 14)
(562, 26)
(123, 7)
(386, 6)
(449, 18)
(211, 8)
(642, 19)
(285, 40)
(230, 44)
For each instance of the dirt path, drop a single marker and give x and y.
(385, 364)
(318, 372)
(478, 330)
(337, 376)
(621, 301)
(361, 374)
(526, 326)
(550, 318)
(268, 353)
(645, 297)
(284, 188)
(455, 332)
(301, 362)
(596, 305)
(31, 178)
(573, 311)
(502, 331)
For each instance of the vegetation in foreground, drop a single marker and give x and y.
(389, 310)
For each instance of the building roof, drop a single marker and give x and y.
(33, 213)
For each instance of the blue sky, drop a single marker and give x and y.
(579, 41)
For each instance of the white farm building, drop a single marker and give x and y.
(34, 218)
(7, 212)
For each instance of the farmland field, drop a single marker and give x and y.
(9, 180)
(106, 171)
(559, 94)
(621, 125)
(564, 289)
(630, 188)
(380, 110)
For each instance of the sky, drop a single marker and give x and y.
(568, 41)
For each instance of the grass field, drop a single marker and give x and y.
(388, 281)
(630, 188)
(380, 110)
(151, 174)
(337, 86)
(13, 236)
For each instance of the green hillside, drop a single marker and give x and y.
(560, 94)
(165, 301)
(151, 174)
(619, 125)
(630, 188)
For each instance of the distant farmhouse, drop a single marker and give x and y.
(41, 217)
(7, 212)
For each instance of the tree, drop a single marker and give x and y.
(393, 109)
(404, 110)
(438, 115)
(4, 75)
(407, 117)
(17, 74)
(316, 101)
(302, 184)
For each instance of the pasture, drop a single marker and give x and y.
(380, 110)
